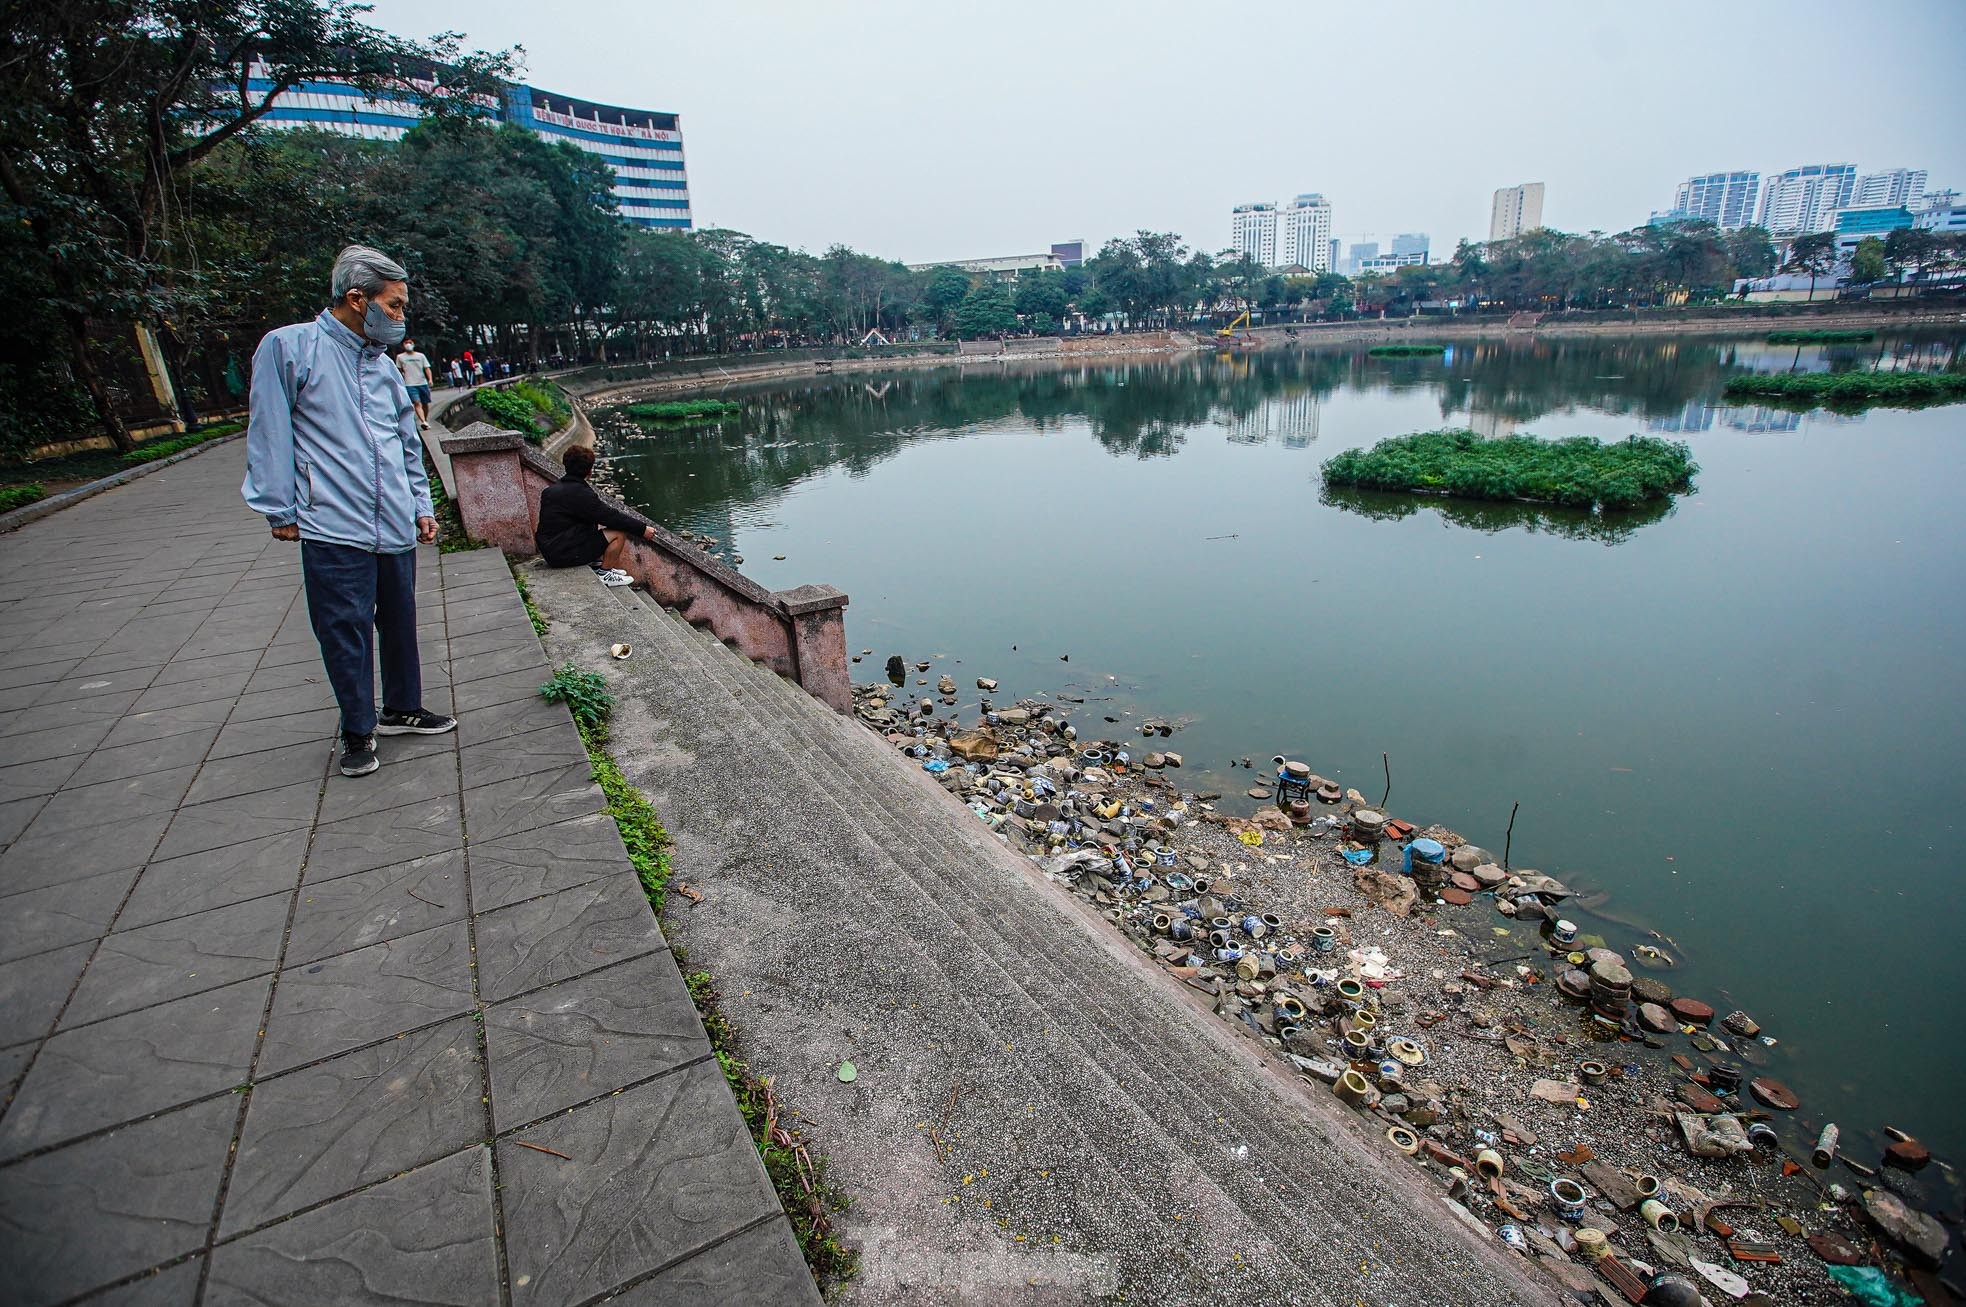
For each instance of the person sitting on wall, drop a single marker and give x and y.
(576, 526)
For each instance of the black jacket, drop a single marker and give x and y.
(571, 516)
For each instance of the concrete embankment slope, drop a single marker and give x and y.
(1038, 1116)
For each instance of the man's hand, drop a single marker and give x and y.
(426, 530)
(648, 534)
(291, 531)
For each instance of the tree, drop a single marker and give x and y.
(1041, 294)
(985, 311)
(1910, 250)
(110, 102)
(1867, 264)
(1750, 251)
(1814, 254)
(946, 288)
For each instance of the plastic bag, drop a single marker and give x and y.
(1872, 1287)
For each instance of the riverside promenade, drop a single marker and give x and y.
(270, 1035)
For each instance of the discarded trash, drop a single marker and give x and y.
(847, 1073)
(1872, 1287)
(621, 650)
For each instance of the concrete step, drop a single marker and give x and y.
(924, 828)
(880, 919)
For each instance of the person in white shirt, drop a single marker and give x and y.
(416, 377)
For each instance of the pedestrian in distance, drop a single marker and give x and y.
(457, 374)
(333, 460)
(576, 526)
(416, 379)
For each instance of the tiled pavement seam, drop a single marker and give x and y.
(572, 1027)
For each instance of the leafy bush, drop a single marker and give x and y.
(156, 449)
(546, 398)
(586, 696)
(21, 496)
(685, 410)
(1405, 351)
(1820, 337)
(1849, 391)
(1579, 471)
(510, 410)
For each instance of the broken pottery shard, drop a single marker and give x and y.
(1393, 893)
(1615, 1185)
(1912, 1230)
(977, 746)
(1556, 1091)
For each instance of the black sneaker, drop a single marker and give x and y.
(419, 722)
(358, 755)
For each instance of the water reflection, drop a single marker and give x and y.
(1151, 409)
(1610, 528)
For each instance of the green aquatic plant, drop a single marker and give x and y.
(1850, 391)
(1579, 472)
(684, 410)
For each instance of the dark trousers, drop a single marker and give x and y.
(360, 603)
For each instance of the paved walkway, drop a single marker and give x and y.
(269, 1035)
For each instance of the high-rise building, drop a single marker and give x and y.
(1806, 199)
(642, 146)
(1517, 209)
(1412, 242)
(1304, 233)
(1253, 231)
(1725, 199)
(1899, 188)
(1333, 246)
(1356, 253)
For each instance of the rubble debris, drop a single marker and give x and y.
(1550, 1083)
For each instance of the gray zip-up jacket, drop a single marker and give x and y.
(332, 441)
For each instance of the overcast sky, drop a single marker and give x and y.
(926, 131)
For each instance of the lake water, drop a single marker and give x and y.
(1739, 718)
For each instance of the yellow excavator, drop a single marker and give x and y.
(1229, 332)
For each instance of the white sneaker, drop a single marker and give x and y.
(615, 576)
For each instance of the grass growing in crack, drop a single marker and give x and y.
(808, 1197)
(451, 535)
(797, 1175)
(533, 615)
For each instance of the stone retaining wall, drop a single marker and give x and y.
(800, 634)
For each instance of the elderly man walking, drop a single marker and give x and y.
(334, 461)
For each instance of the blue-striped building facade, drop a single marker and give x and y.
(643, 146)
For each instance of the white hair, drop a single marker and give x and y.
(368, 270)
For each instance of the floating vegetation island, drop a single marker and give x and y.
(1578, 471)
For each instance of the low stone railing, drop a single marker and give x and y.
(799, 634)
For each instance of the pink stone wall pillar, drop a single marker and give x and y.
(493, 497)
(818, 614)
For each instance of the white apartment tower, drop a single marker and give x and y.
(1253, 231)
(1725, 199)
(1304, 233)
(1517, 209)
(1806, 199)
(1895, 189)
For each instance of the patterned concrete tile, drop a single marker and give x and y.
(543, 940)
(588, 1036)
(322, 1131)
(423, 1237)
(658, 1172)
(134, 1065)
(96, 1211)
(328, 1007)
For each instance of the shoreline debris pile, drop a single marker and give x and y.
(1564, 1097)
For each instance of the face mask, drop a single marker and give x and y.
(380, 328)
